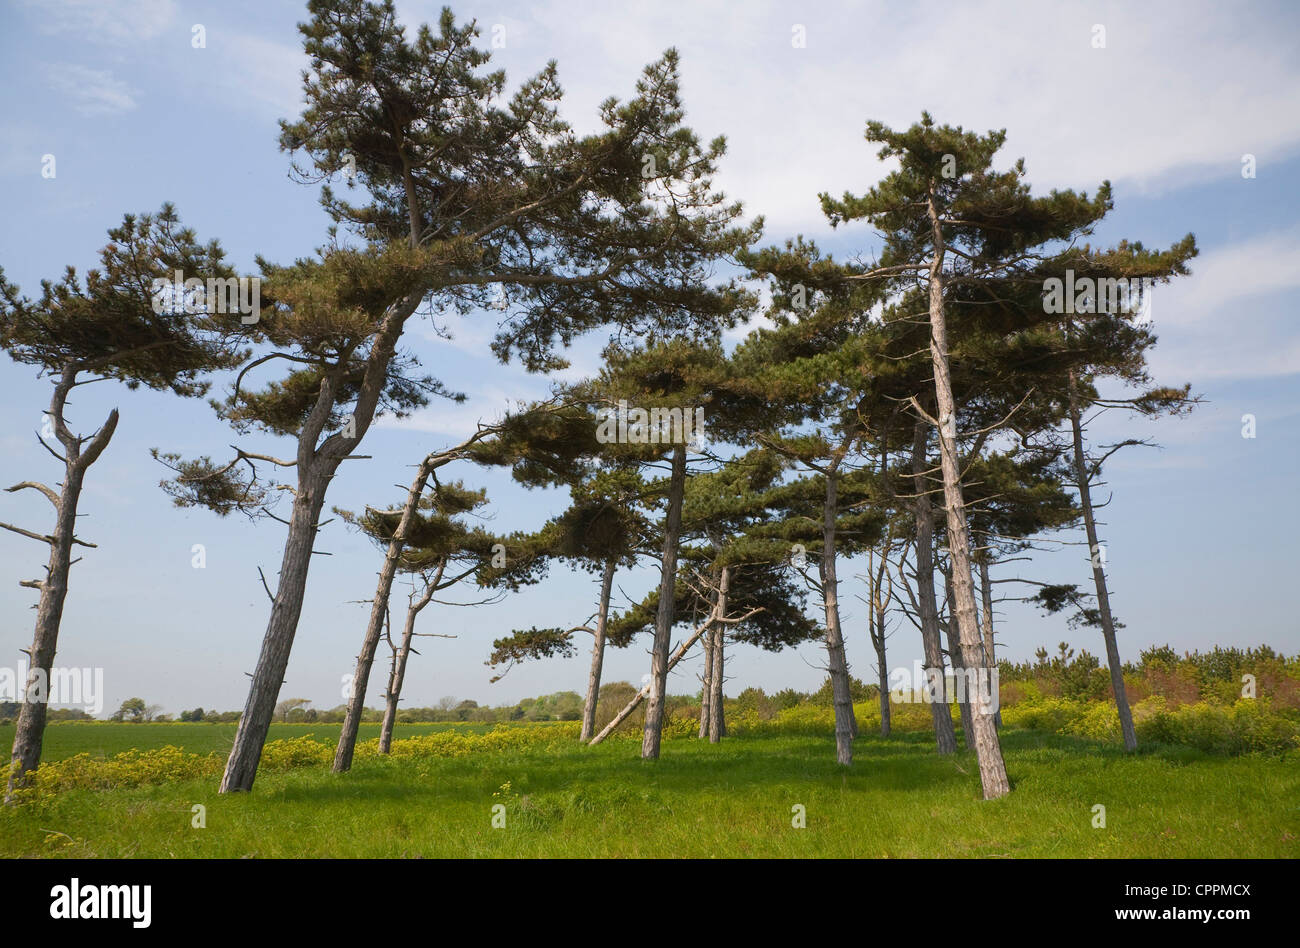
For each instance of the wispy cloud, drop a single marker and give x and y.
(103, 21)
(92, 91)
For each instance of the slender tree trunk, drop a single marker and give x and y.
(988, 750)
(397, 675)
(374, 627)
(944, 735)
(1098, 572)
(29, 734)
(986, 615)
(876, 623)
(845, 726)
(654, 715)
(962, 695)
(706, 686)
(645, 690)
(597, 653)
(250, 736)
(716, 677)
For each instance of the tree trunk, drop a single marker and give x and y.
(944, 735)
(962, 692)
(398, 673)
(986, 614)
(876, 622)
(1098, 573)
(29, 734)
(706, 686)
(845, 726)
(597, 654)
(645, 690)
(716, 725)
(378, 608)
(654, 715)
(988, 750)
(250, 736)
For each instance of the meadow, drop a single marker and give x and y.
(435, 797)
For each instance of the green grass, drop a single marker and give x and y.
(733, 799)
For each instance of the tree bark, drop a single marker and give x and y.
(374, 627)
(962, 695)
(654, 715)
(250, 736)
(706, 686)
(597, 654)
(1098, 573)
(944, 735)
(876, 629)
(397, 675)
(29, 734)
(845, 726)
(986, 616)
(716, 725)
(672, 663)
(988, 750)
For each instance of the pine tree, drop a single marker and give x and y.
(466, 198)
(124, 323)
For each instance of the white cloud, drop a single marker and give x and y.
(116, 22)
(93, 91)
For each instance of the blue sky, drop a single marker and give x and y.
(135, 115)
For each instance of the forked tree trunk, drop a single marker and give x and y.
(316, 465)
(716, 656)
(29, 735)
(654, 715)
(845, 726)
(374, 627)
(944, 735)
(1098, 572)
(397, 675)
(597, 654)
(988, 750)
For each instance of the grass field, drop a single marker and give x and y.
(733, 799)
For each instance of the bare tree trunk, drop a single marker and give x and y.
(597, 653)
(378, 608)
(986, 614)
(716, 655)
(654, 715)
(250, 736)
(645, 690)
(29, 735)
(845, 726)
(962, 695)
(876, 623)
(988, 750)
(944, 735)
(398, 674)
(1098, 572)
(706, 686)
(718, 678)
